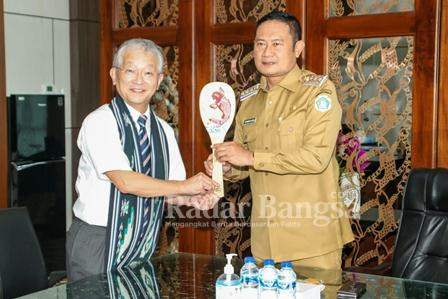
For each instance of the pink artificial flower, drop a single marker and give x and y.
(350, 150)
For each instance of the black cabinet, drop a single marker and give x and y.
(37, 169)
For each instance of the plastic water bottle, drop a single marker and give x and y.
(268, 280)
(286, 283)
(249, 279)
(228, 285)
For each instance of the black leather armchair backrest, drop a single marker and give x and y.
(22, 267)
(421, 249)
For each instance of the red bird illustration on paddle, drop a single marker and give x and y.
(223, 104)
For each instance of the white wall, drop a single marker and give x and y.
(37, 50)
(43, 8)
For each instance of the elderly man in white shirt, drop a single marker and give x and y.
(130, 165)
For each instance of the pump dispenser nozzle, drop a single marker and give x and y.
(228, 269)
(228, 284)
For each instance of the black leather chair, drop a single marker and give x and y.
(22, 267)
(421, 249)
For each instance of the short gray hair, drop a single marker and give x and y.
(145, 44)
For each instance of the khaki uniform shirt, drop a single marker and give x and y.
(292, 130)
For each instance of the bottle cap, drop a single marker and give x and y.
(249, 259)
(286, 264)
(268, 262)
(228, 269)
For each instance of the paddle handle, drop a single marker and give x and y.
(217, 176)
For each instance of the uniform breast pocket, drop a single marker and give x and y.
(290, 133)
(249, 136)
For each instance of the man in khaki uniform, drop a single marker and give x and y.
(285, 140)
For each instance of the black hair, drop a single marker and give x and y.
(290, 20)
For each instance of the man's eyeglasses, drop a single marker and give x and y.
(132, 74)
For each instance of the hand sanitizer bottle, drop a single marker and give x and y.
(228, 284)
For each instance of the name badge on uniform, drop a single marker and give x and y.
(250, 121)
(322, 103)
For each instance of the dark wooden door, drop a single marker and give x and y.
(224, 34)
(381, 55)
(442, 129)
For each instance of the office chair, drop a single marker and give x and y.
(421, 251)
(22, 267)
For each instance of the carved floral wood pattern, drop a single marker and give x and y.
(147, 13)
(165, 103)
(340, 8)
(232, 232)
(234, 65)
(230, 11)
(373, 78)
(166, 99)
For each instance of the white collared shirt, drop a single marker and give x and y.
(101, 151)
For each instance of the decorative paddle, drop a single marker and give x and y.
(217, 107)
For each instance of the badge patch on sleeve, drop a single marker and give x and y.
(322, 103)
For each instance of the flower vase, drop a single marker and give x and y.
(351, 192)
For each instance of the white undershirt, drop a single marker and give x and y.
(101, 151)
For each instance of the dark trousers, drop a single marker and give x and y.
(85, 249)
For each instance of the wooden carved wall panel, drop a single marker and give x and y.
(230, 11)
(232, 231)
(234, 65)
(165, 103)
(166, 99)
(340, 8)
(373, 78)
(147, 13)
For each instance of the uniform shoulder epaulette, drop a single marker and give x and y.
(314, 80)
(247, 93)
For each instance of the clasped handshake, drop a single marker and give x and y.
(201, 187)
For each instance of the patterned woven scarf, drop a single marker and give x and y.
(129, 282)
(128, 241)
